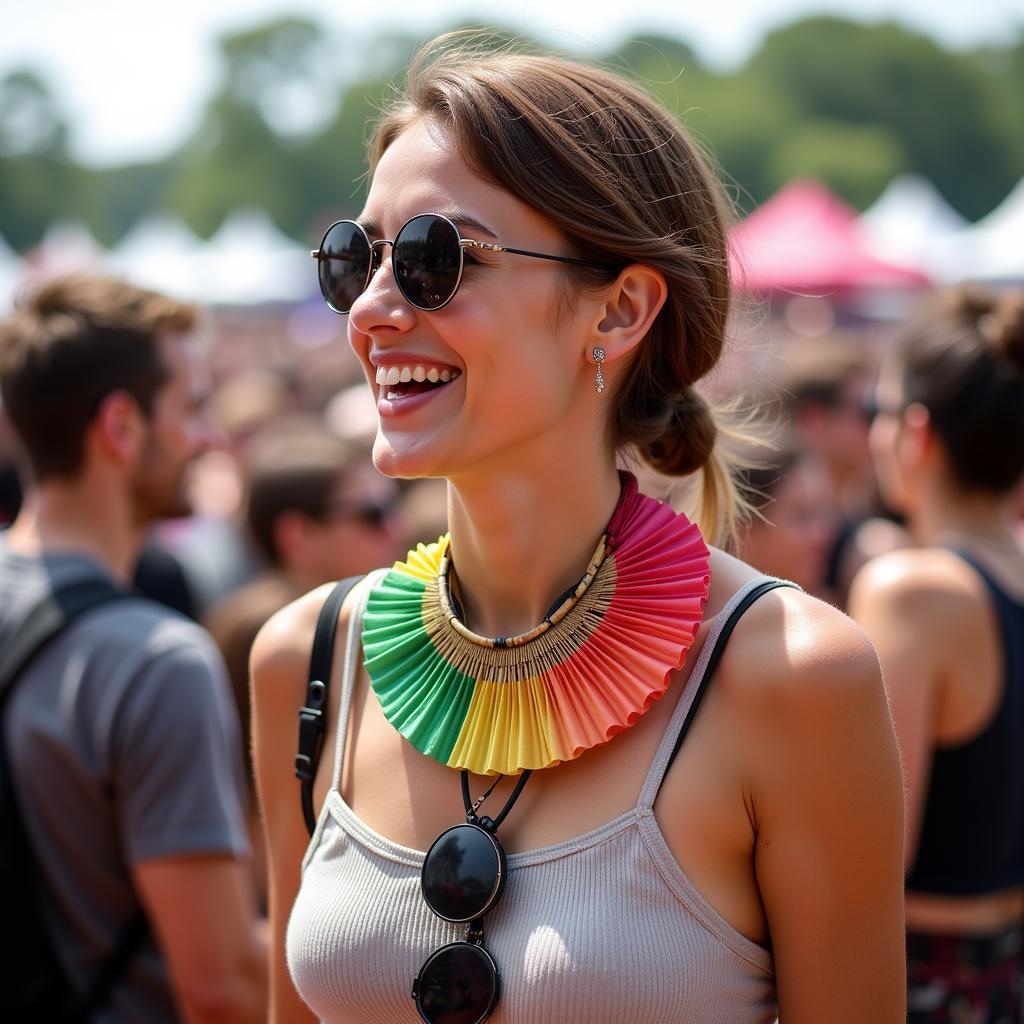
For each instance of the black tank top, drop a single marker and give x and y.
(972, 833)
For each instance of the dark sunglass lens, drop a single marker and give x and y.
(428, 261)
(463, 874)
(344, 264)
(457, 985)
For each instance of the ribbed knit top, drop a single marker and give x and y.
(605, 928)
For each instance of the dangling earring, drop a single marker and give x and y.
(599, 377)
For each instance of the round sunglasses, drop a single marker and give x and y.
(427, 254)
(462, 878)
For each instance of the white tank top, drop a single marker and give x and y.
(604, 929)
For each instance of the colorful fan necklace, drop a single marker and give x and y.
(587, 672)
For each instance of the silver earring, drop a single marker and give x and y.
(599, 377)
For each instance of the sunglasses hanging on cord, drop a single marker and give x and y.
(462, 879)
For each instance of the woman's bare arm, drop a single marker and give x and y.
(279, 664)
(826, 799)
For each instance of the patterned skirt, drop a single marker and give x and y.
(957, 979)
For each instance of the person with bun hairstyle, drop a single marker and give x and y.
(947, 619)
(556, 793)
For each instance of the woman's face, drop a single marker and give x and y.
(518, 377)
(886, 437)
(801, 527)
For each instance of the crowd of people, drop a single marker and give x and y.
(840, 838)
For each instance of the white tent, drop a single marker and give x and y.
(993, 248)
(160, 252)
(911, 223)
(12, 272)
(67, 246)
(248, 261)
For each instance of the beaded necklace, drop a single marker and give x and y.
(588, 671)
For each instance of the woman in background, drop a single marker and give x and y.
(796, 520)
(947, 619)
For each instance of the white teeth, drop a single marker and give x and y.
(388, 375)
(393, 396)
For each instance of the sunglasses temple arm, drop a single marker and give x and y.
(557, 259)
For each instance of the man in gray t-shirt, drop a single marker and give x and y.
(122, 736)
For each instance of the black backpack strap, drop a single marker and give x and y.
(44, 621)
(312, 724)
(716, 656)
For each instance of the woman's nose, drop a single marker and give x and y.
(381, 303)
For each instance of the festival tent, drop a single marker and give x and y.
(806, 240)
(162, 253)
(67, 246)
(248, 262)
(12, 272)
(910, 223)
(992, 249)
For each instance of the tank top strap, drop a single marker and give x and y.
(695, 685)
(353, 645)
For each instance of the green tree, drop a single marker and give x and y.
(37, 181)
(888, 75)
(857, 161)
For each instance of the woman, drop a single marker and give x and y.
(587, 294)
(797, 521)
(947, 619)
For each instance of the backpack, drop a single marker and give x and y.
(33, 983)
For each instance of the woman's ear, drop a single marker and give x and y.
(631, 304)
(918, 434)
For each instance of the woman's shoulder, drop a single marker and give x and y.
(933, 585)
(283, 645)
(790, 648)
(801, 688)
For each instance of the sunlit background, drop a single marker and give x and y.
(872, 154)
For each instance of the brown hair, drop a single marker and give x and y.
(293, 467)
(70, 344)
(818, 373)
(963, 359)
(615, 172)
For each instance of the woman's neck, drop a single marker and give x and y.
(520, 540)
(949, 516)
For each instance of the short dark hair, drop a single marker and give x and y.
(293, 467)
(817, 374)
(67, 346)
(963, 360)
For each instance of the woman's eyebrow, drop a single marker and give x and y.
(464, 220)
(457, 217)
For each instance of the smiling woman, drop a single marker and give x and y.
(536, 285)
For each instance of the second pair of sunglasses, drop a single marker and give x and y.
(462, 878)
(427, 254)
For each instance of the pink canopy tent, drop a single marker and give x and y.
(806, 240)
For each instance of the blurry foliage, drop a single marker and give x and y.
(849, 103)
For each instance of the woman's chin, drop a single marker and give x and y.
(404, 461)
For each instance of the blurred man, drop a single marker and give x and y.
(796, 521)
(317, 510)
(122, 740)
(824, 404)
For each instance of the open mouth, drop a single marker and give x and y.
(398, 382)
